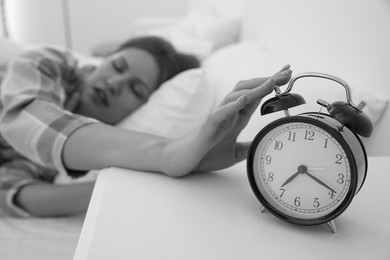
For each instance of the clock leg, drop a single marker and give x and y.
(286, 112)
(332, 226)
(262, 209)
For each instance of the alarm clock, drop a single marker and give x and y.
(305, 169)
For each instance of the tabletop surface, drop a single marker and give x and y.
(138, 215)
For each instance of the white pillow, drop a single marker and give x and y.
(207, 22)
(240, 61)
(202, 31)
(178, 106)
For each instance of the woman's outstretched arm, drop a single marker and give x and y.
(210, 147)
(97, 146)
(50, 200)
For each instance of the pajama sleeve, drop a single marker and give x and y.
(32, 119)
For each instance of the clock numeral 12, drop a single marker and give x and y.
(309, 135)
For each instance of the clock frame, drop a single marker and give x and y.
(354, 154)
(344, 124)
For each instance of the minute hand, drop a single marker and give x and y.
(319, 181)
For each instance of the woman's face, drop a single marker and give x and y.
(120, 85)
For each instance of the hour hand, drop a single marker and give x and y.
(301, 169)
(290, 179)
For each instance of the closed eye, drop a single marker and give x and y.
(139, 90)
(119, 65)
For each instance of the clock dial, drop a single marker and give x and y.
(301, 170)
(306, 169)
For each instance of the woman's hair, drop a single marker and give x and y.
(169, 60)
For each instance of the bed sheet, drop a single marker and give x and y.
(40, 239)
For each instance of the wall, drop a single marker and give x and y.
(82, 24)
(95, 21)
(347, 38)
(32, 22)
(91, 21)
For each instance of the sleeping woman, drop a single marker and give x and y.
(57, 118)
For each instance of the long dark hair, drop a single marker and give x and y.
(169, 60)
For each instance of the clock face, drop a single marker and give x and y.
(302, 170)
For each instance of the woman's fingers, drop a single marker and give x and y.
(261, 91)
(283, 76)
(286, 67)
(228, 110)
(243, 102)
(257, 88)
(249, 83)
(252, 83)
(233, 104)
(247, 95)
(241, 151)
(251, 89)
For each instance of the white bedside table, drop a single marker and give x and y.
(138, 215)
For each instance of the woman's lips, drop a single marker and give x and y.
(101, 95)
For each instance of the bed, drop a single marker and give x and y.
(322, 36)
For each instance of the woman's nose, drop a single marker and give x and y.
(115, 85)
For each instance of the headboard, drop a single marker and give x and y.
(346, 38)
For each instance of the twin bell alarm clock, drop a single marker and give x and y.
(305, 169)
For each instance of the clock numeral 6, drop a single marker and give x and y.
(297, 201)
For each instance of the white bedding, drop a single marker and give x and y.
(40, 239)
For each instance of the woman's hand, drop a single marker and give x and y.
(215, 145)
(72, 101)
(234, 113)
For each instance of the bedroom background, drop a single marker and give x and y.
(235, 40)
(81, 25)
(348, 39)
